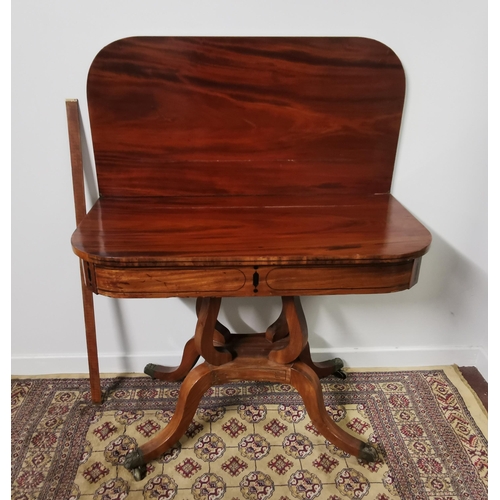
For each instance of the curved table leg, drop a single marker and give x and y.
(190, 355)
(221, 367)
(189, 358)
(323, 368)
(198, 381)
(305, 380)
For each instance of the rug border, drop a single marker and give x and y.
(471, 399)
(424, 376)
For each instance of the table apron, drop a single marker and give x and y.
(247, 281)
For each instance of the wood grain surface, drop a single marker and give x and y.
(153, 231)
(245, 115)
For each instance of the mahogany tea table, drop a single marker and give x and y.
(242, 167)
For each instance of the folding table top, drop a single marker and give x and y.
(224, 150)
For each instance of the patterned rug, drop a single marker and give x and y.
(251, 441)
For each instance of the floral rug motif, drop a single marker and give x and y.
(251, 441)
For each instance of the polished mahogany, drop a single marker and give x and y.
(243, 166)
(245, 116)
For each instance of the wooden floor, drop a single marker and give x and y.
(477, 382)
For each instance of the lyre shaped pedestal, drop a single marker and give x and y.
(281, 354)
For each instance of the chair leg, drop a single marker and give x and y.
(91, 339)
(75, 143)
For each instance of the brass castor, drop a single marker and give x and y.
(150, 369)
(139, 473)
(134, 462)
(368, 453)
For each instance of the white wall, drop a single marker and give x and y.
(441, 176)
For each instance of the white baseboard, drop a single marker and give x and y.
(407, 356)
(353, 358)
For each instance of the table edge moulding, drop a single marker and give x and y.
(242, 167)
